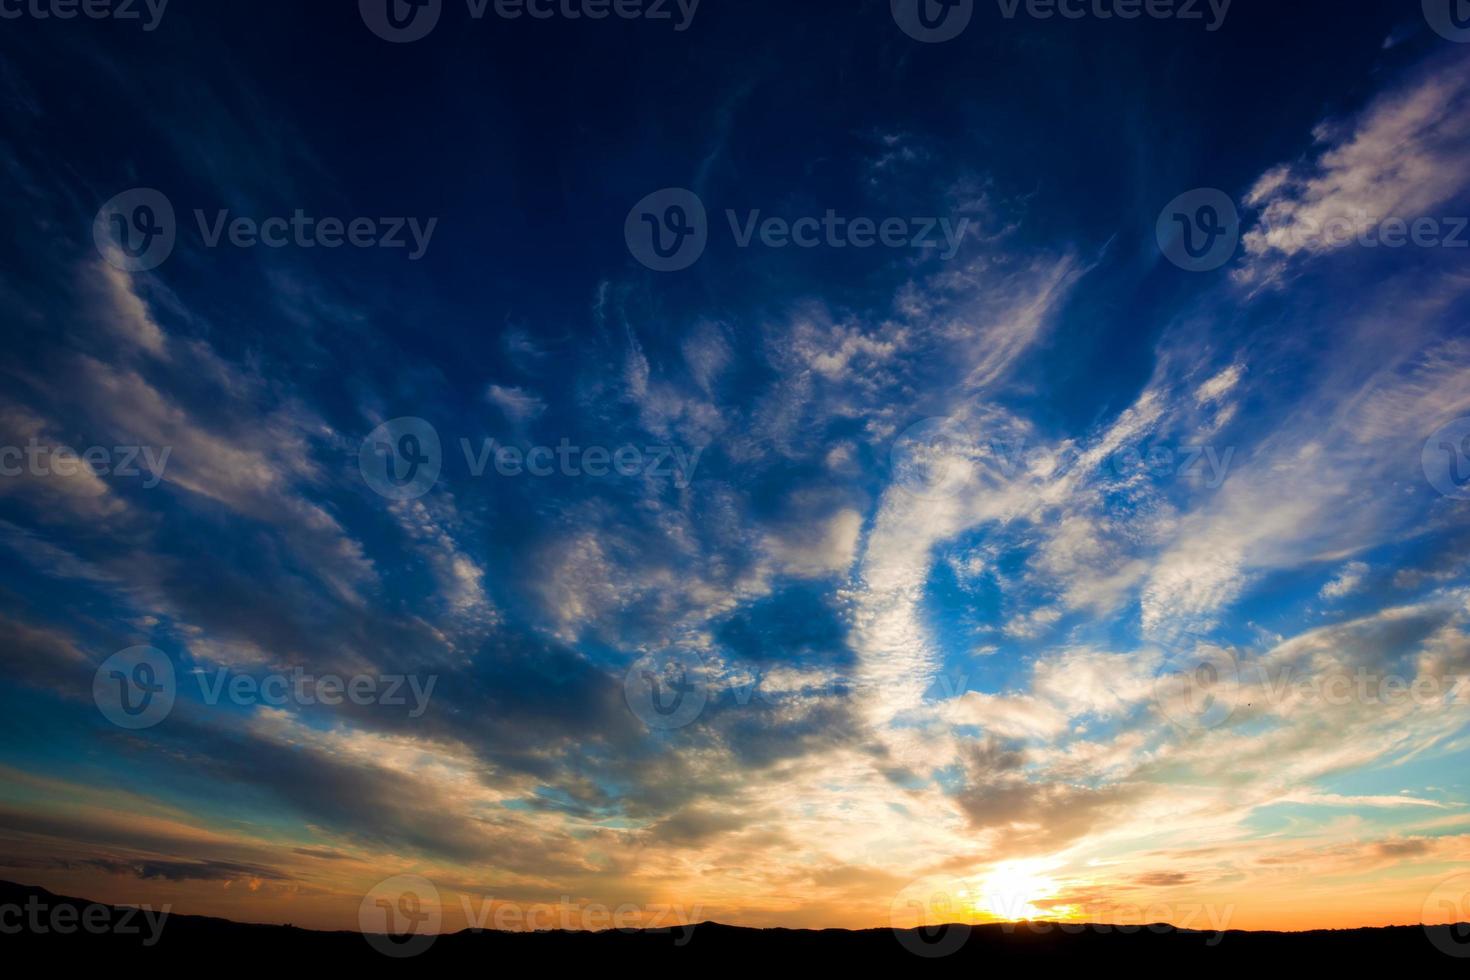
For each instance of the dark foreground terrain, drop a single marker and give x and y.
(119, 936)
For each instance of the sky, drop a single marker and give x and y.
(759, 462)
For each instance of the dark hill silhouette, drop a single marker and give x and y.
(197, 940)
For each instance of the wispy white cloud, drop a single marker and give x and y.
(518, 404)
(1346, 581)
(1400, 158)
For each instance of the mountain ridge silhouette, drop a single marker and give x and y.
(186, 936)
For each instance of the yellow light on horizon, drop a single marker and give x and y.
(1011, 893)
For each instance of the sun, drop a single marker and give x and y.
(1011, 891)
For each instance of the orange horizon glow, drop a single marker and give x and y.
(1040, 893)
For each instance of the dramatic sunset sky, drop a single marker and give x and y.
(936, 530)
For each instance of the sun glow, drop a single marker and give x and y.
(1012, 892)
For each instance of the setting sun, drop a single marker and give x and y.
(1012, 892)
(865, 482)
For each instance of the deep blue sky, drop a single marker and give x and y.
(955, 642)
